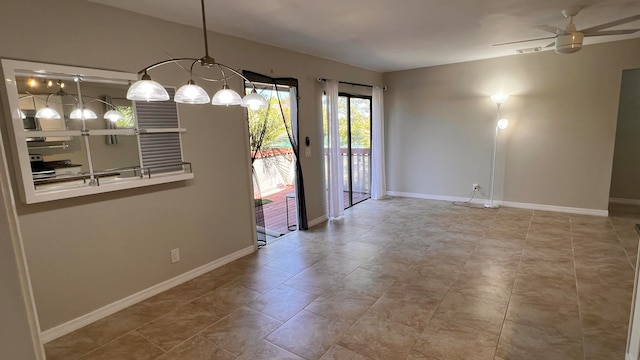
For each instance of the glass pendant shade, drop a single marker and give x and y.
(499, 99)
(88, 114)
(147, 90)
(47, 113)
(191, 94)
(226, 96)
(113, 115)
(22, 114)
(254, 101)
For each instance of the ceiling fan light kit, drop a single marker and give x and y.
(568, 44)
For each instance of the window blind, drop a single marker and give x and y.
(160, 152)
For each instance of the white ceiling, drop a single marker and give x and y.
(386, 35)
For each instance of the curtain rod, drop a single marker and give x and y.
(350, 83)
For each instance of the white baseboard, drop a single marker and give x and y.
(635, 202)
(541, 207)
(318, 221)
(562, 209)
(435, 197)
(84, 320)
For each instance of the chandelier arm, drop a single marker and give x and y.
(46, 102)
(237, 73)
(177, 62)
(194, 61)
(164, 62)
(99, 100)
(191, 68)
(209, 79)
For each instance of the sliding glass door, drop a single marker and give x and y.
(354, 113)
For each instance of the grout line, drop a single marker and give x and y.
(575, 274)
(621, 245)
(504, 319)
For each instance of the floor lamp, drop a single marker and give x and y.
(498, 99)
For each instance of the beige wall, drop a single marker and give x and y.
(558, 149)
(87, 252)
(625, 177)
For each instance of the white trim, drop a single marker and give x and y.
(542, 207)
(562, 209)
(84, 320)
(49, 194)
(635, 202)
(434, 197)
(7, 201)
(318, 221)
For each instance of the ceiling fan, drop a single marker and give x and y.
(569, 39)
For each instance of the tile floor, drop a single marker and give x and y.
(397, 279)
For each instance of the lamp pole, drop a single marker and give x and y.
(498, 100)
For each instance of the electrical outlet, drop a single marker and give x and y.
(175, 255)
(476, 187)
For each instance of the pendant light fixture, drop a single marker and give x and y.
(47, 113)
(113, 115)
(78, 114)
(146, 89)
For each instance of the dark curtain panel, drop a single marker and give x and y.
(303, 222)
(256, 141)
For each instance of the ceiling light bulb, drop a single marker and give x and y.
(503, 123)
(47, 113)
(77, 114)
(191, 94)
(113, 115)
(226, 96)
(32, 82)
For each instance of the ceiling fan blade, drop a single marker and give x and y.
(612, 32)
(612, 24)
(552, 29)
(552, 44)
(521, 41)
